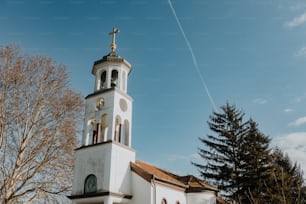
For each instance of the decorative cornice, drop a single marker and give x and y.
(100, 194)
(99, 92)
(108, 90)
(104, 143)
(109, 59)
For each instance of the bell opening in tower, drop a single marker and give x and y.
(114, 78)
(103, 80)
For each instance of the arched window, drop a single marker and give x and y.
(118, 127)
(114, 78)
(104, 127)
(124, 81)
(90, 184)
(164, 201)
(177, 202)
(126, 132)
(103, 80)
(92, 134)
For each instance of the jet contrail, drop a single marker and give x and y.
(193, 57)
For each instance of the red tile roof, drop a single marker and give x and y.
(190, 183)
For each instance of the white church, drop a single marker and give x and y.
(106, 169)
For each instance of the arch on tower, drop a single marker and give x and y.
(118, 129)
(104, 127)
(92, 133)
(126, 132)
(90, 184)
(124, 81)
(114, 78)
(103, 82)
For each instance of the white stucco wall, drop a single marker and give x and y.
(141, 190)
(170, 194)
(92, 160)
(120, 171)
(109, 162)
(145, 192)
(125, 115)
(201, 198)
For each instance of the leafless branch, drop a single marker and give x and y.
(39, 118)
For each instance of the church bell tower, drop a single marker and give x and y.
(102, 166)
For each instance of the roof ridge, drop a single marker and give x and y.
(189, 182)
(172, 178)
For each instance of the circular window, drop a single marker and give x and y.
(123, 105)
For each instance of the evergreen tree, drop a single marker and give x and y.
(222, 159)
(236, 158)
(256, 165)
(286, 184)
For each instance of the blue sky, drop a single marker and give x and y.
(251, 53)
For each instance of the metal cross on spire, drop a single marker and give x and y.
(113, 34)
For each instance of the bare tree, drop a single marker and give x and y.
(39, 116)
